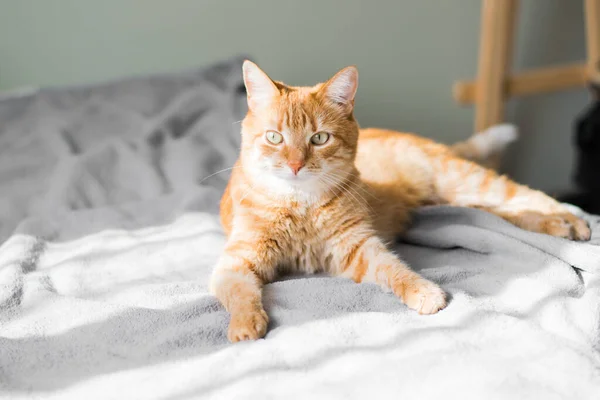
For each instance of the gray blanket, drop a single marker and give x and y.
(110, 232)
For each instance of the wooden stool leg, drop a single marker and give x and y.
(592, 28)
(495, 56)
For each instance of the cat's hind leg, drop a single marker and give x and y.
(463, 183)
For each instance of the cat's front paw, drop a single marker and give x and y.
(567, 226)
(423, 296)
(247, 325)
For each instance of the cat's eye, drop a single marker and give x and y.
(274, 137)
(319, 138)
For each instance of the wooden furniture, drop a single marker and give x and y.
(495, 82)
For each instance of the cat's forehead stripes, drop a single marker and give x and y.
(296, 113)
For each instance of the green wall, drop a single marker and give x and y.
(408, 53)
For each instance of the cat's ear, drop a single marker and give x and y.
(260, 88)
(341, 89)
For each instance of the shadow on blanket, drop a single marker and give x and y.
(142, 337)
(126, 300)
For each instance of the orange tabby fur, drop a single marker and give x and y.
(352, 195)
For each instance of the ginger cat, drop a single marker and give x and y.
(312, 192)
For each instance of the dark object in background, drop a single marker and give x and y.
(587, 164)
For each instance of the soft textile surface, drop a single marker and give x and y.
(111, 233)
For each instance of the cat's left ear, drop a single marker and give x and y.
(341, 89)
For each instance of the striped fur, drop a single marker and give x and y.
(352, 195)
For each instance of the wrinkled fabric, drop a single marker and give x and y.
(109, 218)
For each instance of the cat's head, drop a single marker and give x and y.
(299, 139)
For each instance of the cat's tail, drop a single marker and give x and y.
(483, 145)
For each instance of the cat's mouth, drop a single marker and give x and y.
(289, 176)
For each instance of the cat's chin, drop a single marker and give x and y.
(298, 180)
(301, 185)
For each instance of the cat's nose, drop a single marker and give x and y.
(295, 166)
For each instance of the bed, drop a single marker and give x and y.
(109, 229)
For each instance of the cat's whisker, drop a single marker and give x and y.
(218, 172)
(365, 202)
(336, 195)
(247, 192)
(357, 186)
(364, 205)
(329, 189)
(351, 188)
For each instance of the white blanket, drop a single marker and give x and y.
(111, 234)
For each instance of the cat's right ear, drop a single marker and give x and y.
(260, 88)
